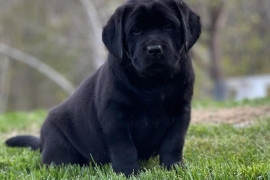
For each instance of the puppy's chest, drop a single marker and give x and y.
(151, 116)
(149, 126)
(159, 97)
(151, 113)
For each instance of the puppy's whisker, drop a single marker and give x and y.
(127, 66)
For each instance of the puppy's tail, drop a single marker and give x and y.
(24, 141)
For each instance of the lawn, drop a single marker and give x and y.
(212, 150)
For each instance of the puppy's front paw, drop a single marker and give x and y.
(127, 170)
(177, 166)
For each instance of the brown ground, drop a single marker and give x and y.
(241, 116)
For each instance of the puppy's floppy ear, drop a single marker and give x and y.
(112, 35)
(190, 23)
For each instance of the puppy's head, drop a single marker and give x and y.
(152, 34)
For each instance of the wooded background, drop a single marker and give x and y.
(47, 48)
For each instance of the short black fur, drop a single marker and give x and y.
(138, 103)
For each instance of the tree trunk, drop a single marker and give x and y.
(218, 15)
(4, 83)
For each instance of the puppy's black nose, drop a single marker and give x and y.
(154, 50)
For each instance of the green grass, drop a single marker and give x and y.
(211, 152)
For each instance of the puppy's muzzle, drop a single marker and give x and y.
(154, 50)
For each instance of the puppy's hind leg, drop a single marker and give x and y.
(58, 155)
(56, 149)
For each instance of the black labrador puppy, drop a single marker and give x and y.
(137, 104)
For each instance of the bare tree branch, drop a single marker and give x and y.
(59, 79)
(95, 24)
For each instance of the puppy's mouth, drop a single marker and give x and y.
(156, 69)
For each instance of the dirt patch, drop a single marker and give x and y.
(236, 115)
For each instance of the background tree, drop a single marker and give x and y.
(66, 35)
(235, 41)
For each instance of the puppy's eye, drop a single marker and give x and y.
(168, 26)
(136, 30)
